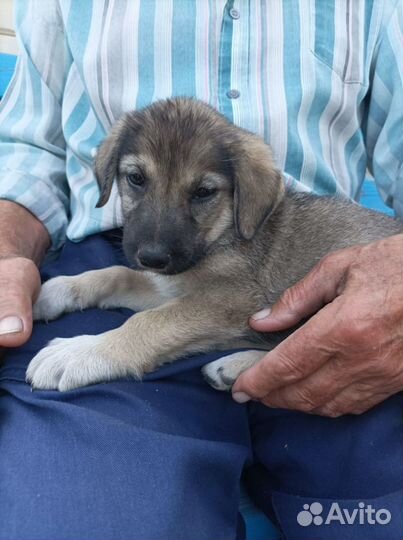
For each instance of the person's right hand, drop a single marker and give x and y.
(19, 287)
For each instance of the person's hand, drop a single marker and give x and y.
(348, 356)
(23, 244)
(19, 287)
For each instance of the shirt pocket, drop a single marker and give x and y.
(337, 37)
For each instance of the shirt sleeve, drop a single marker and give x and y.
(384, 121)
(32, 146)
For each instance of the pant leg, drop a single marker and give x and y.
(353, 464)
(159, 459)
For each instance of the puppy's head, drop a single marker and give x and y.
(188, 179)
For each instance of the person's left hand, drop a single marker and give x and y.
(348, 356)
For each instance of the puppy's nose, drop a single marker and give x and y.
(156, 257)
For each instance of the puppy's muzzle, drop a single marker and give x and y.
(154, 257)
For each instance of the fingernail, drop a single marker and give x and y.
(241, 397)
(11, 325)
(261, 314)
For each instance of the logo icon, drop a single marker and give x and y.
(310, 514)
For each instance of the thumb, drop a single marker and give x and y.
(319, 287)
(19, 287)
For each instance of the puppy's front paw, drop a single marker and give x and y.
(57, 296)
(70, 363)
(222, 373)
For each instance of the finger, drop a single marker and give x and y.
(319, 287)
(314, 391)
(18, 289)
(15, 319)
(352, 401)
(294, 359)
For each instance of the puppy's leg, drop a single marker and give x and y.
(116, 286)
(186, 325)
(222, 373)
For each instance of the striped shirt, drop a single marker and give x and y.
(322, 82)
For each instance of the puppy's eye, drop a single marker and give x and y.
(203, 194)
(135, 179)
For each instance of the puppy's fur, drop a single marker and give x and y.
(212, 237)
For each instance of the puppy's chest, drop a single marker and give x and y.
(169, 287)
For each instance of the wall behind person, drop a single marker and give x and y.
(8, 42)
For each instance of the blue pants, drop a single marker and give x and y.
(162, 459)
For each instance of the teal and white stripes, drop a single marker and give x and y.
(320, 80)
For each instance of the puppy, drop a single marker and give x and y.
(212, 236)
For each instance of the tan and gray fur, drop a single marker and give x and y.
(212, 236)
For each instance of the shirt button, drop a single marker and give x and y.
(234, 13)
(233, 94)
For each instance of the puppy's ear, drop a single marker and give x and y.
(258, 185)
(106, 162)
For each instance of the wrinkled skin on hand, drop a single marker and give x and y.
(348, 356)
